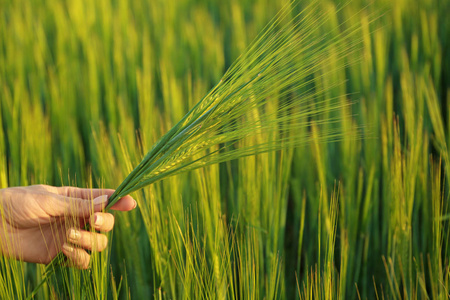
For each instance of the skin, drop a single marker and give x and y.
(39, 221)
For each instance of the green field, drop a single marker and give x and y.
(87, 87)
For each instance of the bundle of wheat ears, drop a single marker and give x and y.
(270, 92)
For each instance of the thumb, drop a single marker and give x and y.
(77, 207)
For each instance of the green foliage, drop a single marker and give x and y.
(88, 87)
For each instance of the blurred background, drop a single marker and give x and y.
(87, 87)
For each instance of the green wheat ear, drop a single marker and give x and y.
(273, 92)
(270, 91)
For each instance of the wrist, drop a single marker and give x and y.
(3, 228)
(7, 245)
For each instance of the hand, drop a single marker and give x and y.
(39, 221)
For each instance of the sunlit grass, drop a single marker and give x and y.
(88, 87)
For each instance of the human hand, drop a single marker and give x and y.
(39, 221)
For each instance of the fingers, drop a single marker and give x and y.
(86, 194)
(87, 240)
(58, 205)
(102, 221)
(77, 257)
(126, 203)
(78, 240)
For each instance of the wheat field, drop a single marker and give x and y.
(88, 87)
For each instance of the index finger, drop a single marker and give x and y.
(87, 194)
(124, 204)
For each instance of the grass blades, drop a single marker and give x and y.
(266, 92)
(87, 88)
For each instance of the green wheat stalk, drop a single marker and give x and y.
(270, 92)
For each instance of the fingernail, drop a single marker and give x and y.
(135, 204)
(98, 220)
(74, 235)
(67, 248)
(101, 200)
